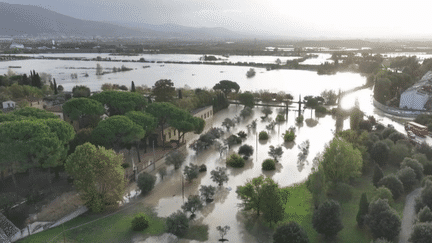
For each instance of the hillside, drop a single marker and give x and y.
(18, 19)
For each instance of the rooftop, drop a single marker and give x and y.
(199, 110)
(56, 108)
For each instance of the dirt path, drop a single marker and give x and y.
(408, 216)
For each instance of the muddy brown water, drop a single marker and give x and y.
(167, 198)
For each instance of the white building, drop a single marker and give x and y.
(9, 104)
(14, 45)
(416, 96)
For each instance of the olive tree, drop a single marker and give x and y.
(175, 158)
(191, 172)
(177, 223)
(219, 175)
(207, 192)
(193, 204)
(275, 153)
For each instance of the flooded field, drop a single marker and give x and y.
(167, 196)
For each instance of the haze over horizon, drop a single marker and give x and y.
(305, 19)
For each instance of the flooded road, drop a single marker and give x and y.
(167, 196)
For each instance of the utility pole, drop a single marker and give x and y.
(299, 110)
(182, 188)
(256, 154)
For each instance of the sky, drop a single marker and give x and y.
(301, 18)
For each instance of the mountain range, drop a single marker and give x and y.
(16, 19)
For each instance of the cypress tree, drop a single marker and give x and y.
(55, 87)
(363, 210)
(133, 87)
(377, 175)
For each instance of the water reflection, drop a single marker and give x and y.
(249, 164)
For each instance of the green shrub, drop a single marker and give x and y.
(427, 164)
(383, 193)
(396, 136)
(268, 164)
(415, 165)
(398, 153)
(363, 209)
(342, 192)
(235, 161)
(421, 233)
(377, 175)
(321, 109)
(394, 184)
(177, 223)
(426, 178)
(140, 222)
(326, 219)
(280, 118)
(242, 134)
(246, 151)
(291, 232)
(389, 143)
(146, 182)
(263, 135)
(380, 152)
(289, 135)
(425, 215)
(387, 131)
(382, 220)
(233, 140)
(408, 178)
(299, 119)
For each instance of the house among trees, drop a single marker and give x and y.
(418, 96)
(8, 106)
(171, 133)
(35, 102)
(57, 110)
(203, 113)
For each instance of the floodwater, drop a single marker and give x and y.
(295, 82)
(166, 197)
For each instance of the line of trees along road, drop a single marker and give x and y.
(33, 138)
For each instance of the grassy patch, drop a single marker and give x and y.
(299, 208)
(197, 232)
(351, 232)
(114, 228)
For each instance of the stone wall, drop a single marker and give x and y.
(8, 227)
(399, 112)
